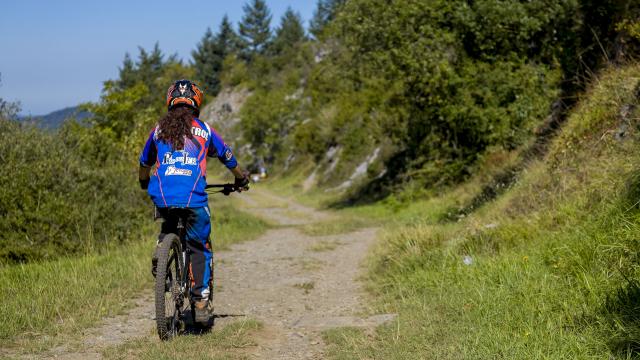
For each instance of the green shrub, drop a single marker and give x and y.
(66, 193)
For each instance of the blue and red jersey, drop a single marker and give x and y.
(179, 179)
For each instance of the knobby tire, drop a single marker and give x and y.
(169, 271)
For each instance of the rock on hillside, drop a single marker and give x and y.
(223, 113)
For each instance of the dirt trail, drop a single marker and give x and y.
(295, 284)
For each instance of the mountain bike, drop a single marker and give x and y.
(174, 278)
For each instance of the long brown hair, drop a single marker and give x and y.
(175, 125)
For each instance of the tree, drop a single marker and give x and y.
(150, 64)
(150, 68)
(255, 28)
(127, 72)
(326, 11)
(208, 58)
(227, 38)
(207, 61)
(127, 102)
(289, 33)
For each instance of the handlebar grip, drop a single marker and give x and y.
(226, 189)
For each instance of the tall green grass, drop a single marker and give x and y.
(548, 270)
(230, 225)
(69, 294)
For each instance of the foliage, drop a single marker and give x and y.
(130, 105)
(434, 84)
(208, 63)
(289, 33)
(208, 58)
(147, 69)
(227, 38)
(268, 118)
(235, 72)
(255, 30)
(632, 28)
(324, 13)
(67, 192)
(446, 94)
(548, 270)
(9, 109)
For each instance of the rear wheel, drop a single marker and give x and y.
(169, 288)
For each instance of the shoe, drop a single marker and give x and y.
(203, 311)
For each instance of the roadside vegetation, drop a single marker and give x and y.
(68, 193)
(230, 225)
(65, 296)
(547, 270)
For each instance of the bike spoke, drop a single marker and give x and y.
(169, 292)
(173, 294)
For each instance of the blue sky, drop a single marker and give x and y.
(57, 53)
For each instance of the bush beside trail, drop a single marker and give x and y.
(64, 193)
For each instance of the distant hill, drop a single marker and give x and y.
(55, 119)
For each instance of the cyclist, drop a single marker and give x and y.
(179, 145)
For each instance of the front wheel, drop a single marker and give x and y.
(169, 287)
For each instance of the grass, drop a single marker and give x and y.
(69, 294)
(555, 266)
(311, 264)
(230, 225)
(231, 342)
(65, 296)
(306, 286)
(344, 338)
(337, 225)
(324, 245)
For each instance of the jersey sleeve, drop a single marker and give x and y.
(218, 148)
(150, 152)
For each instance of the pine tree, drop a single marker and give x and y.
(208, 62)
(147, 69)
(289, 33)
(255, 28)
(326, 11)
(208, 58)
(227, 38)
(149, 66)
(127, 73)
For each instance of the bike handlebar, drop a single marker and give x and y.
(226, 189)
